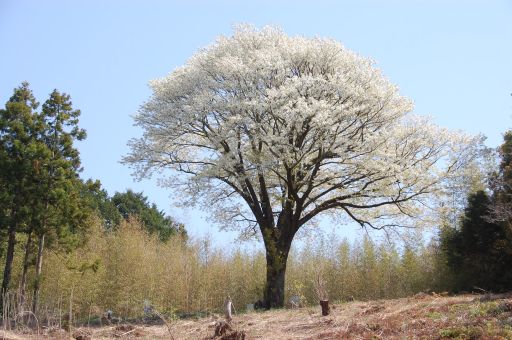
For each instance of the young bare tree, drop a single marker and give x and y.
(269, 131)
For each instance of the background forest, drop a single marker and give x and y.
(66, 245)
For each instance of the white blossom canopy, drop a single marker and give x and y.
(272, 130)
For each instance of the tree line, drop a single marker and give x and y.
(178, 279)
(193, 278)
(478, 249)
(44, 202)
(121, 250)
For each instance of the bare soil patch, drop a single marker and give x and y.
(422, 316)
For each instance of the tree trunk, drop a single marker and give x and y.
(39, 267)
(276, 268)
(23, 282)
(8, 259)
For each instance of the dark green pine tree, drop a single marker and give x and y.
(20, 154)
(502, 185)
(506, 159)
(154, 220)
(477, 251)
(100, 202)
(61, 207)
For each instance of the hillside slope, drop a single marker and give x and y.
(422, 316)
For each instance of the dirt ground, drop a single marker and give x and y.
(423, 316)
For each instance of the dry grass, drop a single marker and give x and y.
(422, 317)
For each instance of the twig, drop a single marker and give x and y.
(157, 313)
(89, 317)
(29, 313)
(480, 289)
(70, 326)
(133, 330)
(320, 289)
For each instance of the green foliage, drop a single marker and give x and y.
(21, 151)
(505, 151)
(435, 315)
(40, 166)
(130, 203)
(100, 202)
(62, 205)
(502, 185)
(462, 332)
(122, 268)
(41, 193)
(478, 252)
(135, 266)
(122, 206)
(490, 308)
(364, 270)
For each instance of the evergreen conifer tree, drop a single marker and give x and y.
(20, 152)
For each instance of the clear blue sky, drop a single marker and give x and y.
(454, 58)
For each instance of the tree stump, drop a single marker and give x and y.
(227, 310)
(325, 307)
(222, 328)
